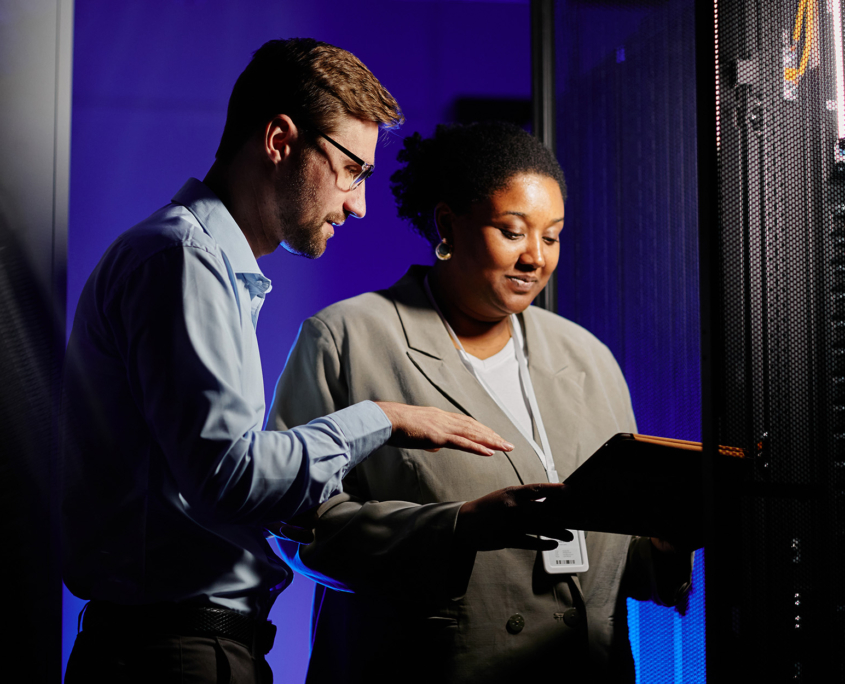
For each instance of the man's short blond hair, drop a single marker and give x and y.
(314, 83)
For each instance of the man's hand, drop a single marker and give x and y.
(424, 427)
(510, 518)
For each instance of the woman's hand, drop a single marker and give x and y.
(663, 545)
(514, 518)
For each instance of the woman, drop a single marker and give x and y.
(440, 591)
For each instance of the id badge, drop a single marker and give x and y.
(568, 557)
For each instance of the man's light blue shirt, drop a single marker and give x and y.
(168, 477)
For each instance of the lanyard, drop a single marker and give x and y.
(543, 452)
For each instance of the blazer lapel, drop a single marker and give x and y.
(431, 350)
(429, 346)
(452, 382)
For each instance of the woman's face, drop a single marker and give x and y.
(505, 248)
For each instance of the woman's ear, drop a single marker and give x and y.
(443, 217)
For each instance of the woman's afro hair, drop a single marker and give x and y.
(462, 164)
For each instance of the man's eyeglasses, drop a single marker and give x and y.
(366, 169)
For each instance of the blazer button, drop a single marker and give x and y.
(572, 617)
(516, 623)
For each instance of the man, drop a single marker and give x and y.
(168, 478)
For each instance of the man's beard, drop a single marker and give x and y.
(299, 213)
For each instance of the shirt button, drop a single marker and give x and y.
(572, 617)
(516, 623)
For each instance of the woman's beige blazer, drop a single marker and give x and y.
(419, 609)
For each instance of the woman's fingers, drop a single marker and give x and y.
(512, 517)
(529, 542)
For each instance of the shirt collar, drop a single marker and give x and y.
(216, 220)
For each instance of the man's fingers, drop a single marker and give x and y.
(467, 434)
(421, 427)
(481, 434)
(463, 444)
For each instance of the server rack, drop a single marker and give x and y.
(773, 248)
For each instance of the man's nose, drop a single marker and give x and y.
(356, 202)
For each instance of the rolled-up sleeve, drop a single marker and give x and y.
(179, 326)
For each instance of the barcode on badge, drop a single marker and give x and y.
(564, 562)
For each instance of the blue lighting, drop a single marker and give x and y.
(151, 83)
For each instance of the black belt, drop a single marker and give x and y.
(111, 619)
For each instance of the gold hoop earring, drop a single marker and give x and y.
(443, 251)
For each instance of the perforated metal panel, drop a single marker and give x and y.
(629, 250)
(778, 314)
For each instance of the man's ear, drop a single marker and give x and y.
(443, 218)
(279, 136)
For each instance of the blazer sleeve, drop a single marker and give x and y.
(399, 549)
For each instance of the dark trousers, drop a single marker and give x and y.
(163, 659)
